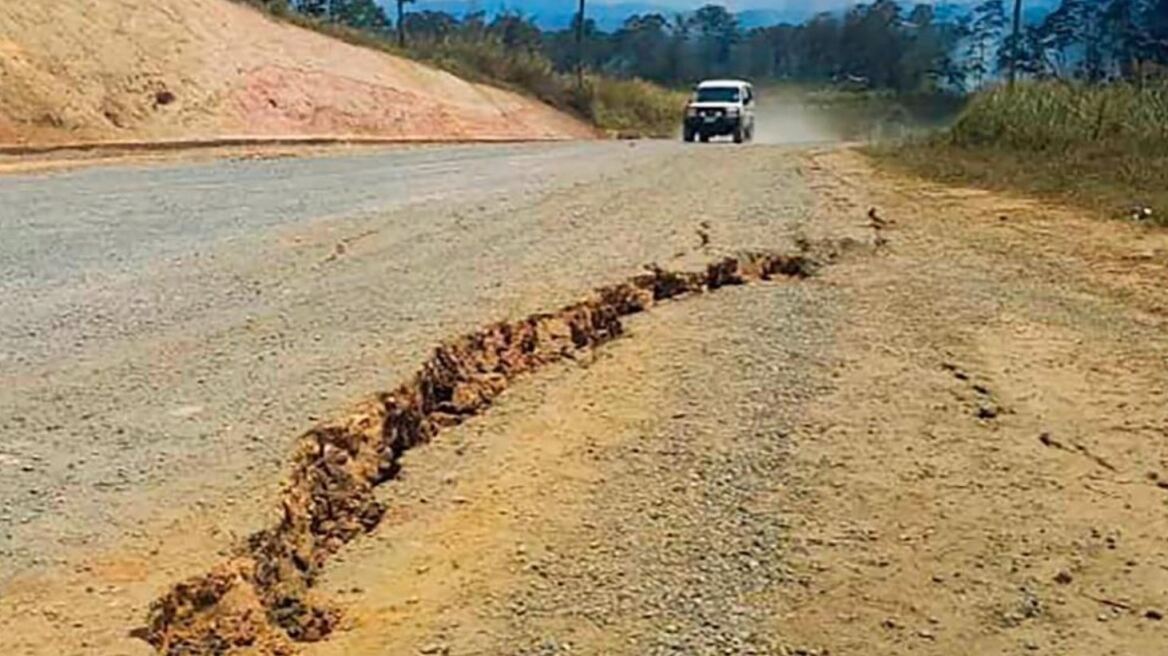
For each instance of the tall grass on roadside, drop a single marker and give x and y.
(632, 107)
(1102, 147)
(1059, 117)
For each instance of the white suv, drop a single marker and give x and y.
(719, 108)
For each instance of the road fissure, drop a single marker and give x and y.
(259, 597)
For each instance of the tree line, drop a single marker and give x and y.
(881, 44)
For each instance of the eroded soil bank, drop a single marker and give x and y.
(169, 71)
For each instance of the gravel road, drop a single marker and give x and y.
(166, 331)
(950, 440)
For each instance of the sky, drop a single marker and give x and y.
(810, 6)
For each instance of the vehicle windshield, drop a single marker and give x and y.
(717, 94)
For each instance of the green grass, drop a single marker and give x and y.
(1103, 148)
(633, 107)
(1057, 118)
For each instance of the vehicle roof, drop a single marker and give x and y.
(722, 83)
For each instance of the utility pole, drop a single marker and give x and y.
(1016, 43)
(580, 46)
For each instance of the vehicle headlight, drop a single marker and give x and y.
(733, 111)
(691, 111)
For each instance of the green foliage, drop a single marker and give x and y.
(1054, 116)
(360, 14)
(872, 45)
(1104, 147)
(984, 40)
(631, 107)
(882, 44)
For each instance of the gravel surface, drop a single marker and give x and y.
(949, 443)
(162, 362)
(646, 528)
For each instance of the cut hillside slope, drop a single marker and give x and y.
(114, 70)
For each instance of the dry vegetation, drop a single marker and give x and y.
(1104, 148)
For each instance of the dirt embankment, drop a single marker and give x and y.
(103, 70)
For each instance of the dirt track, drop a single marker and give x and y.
(951, 444)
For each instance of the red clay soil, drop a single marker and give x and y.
(166, 70)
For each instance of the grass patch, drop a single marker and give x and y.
(1102, 148)
(633, 107)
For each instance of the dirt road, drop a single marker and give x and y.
(953, 442)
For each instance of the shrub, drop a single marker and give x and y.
(632, 107)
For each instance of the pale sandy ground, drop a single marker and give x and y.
(92, 70)
(883, 425)
(952, 444)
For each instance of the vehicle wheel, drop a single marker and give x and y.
(688, 134)
(705, 137)
(739, 134)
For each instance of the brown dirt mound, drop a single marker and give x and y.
(260, 599)
(98, 70)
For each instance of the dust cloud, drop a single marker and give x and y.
(784, 116)
(784, 121)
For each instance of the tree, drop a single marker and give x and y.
(1068, 40)
(884, 44)
(516, 32)
(1125, 37)
(1158, 31)
(819, 46)
(985, 34)
(314, 8)
(580, 46)
(436, 26)
(717, 31)
(361, 14)
(1014, 43)
(679, 60)
(925, 46)
(873, 43)
(640, 47)
(401, 22)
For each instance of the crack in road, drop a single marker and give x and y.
(259, 597)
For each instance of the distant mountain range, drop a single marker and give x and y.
(558, 14)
